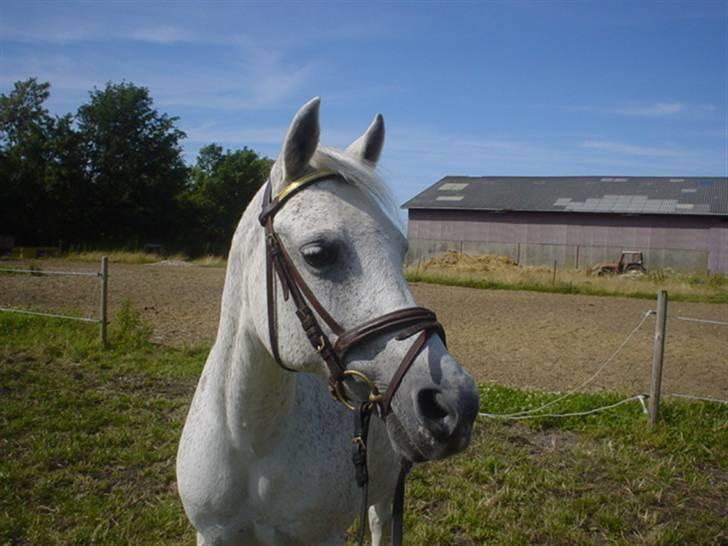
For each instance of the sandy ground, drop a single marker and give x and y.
(525, 339)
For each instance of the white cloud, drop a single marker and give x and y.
(632, 149)
(651, 110)
(163, 34)
(248, 79)
(248, 136)
(657, 109)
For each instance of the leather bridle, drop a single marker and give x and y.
(405, 322)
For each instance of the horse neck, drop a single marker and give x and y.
(257, 393)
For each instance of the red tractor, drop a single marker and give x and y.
(630, 261)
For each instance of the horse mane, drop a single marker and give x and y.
(363, 175)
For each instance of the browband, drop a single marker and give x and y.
(272, 204)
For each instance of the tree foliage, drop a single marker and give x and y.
(221, 186)
(134, 163)
(113, 174)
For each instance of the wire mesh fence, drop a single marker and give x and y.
(92, 306)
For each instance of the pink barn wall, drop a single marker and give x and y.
(683, 242)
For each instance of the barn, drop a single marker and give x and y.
(577, 221)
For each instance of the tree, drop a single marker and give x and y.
(134, 163)
(24, 130)
(222, 184)
(66, 184)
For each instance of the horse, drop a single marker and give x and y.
(264, 455)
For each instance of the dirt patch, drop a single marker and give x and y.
(538, 442)
(523, 339)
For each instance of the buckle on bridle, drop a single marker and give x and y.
(374, 398)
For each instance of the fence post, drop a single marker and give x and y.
(553, 280)
(657, 356)
(103, 321)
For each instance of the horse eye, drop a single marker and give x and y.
(320, 254)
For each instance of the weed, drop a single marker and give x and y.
(128, 330)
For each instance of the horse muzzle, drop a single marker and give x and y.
(433, 413)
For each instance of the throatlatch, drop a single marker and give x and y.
(406, 322)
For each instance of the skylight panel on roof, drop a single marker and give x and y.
(607, 179)
(689, 190)
(562, 201)
(653, 204)
(621, 179)
(677, 180)
(453, 186)
(449, 198)
(684, 206)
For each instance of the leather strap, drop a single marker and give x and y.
(362, 416)
(398, 504)
(399, 320)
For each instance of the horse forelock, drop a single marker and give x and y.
(362, 175)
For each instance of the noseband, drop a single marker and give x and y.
(405, 323)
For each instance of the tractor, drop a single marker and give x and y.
(630, 261)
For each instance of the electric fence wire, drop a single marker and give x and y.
(525, 414)
(704, 321)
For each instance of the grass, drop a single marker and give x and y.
(89, 435)
(210, 261)
(140, 258)
(88, 438)
(603, 479)
(693, 288)
(119, 257)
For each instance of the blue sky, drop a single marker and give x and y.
(492, 88)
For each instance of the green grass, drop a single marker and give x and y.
(88, 439)
(89, 435)
(139, 258)
(118, 257)
(641, 289)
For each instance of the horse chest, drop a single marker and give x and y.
(302, 486)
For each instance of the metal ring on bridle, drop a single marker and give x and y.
(373, 397)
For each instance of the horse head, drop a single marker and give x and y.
(340, 232)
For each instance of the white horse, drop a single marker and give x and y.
(264, 457)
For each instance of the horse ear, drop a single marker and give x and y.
(369, 146)
(301, 141)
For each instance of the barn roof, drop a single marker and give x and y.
(594, 194)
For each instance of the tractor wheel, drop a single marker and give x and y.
(636, 268)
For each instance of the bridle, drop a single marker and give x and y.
(406, 322)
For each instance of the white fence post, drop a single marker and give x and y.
(657, 357)
(103, 319)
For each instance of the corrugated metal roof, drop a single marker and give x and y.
(600, 194)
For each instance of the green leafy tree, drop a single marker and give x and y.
(66, 184)
(134, 164)
(24, 129)
(221, 186)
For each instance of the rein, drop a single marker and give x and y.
(406, 322)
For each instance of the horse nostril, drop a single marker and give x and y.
(437, 414)
(430, 407)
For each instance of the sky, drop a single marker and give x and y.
(466, 88)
